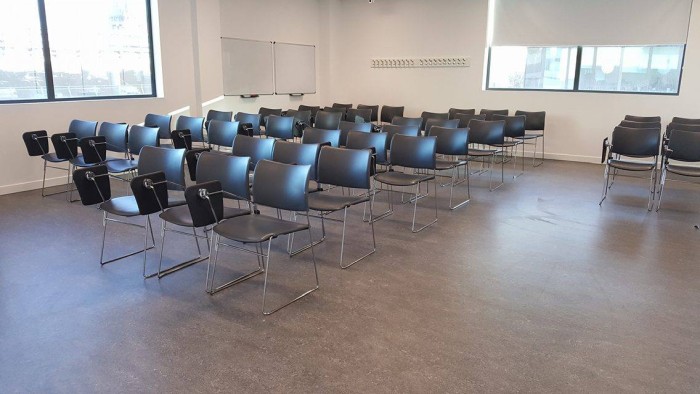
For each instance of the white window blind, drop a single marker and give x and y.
(589, 22)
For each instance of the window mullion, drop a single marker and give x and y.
(577, 72)
(48, 70)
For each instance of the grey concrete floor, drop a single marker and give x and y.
(532, 287)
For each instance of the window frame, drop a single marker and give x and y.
(577, 77)
(48, 70)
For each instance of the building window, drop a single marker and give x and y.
(89, 49)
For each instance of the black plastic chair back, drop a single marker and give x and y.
(688, 121)
(346, 127)
(82, 128)
(358, 115)
(389, 113)
(320, 136)
(293, 153)
(391, 130)
(632, 124)
(514, 127)
(65, 145)
(340, 105)
(94, 149)
(684, 146)
(634, 118)
(376, 141)
(425, 115)
(374, 115)
(140, 136)
(36, 142)
(281, 127)
(223, 116)
(681, 126)
(150, 192)
(169, 161)
(222, 133)
(402, 121)
(345, 167)
(464, 119)
(283, 186)
(490, 112)
(302, 119)
(487, 132)
(194, 124)
(92, 184)
(450, 141)
(311, 108)
(162, 122)
(256, 148)
(454, 111)
(182, 139)
(115, 135)
(205, 202)
(635, 142)
(231, 171)
(328, 120)
(448, 123)
(534, 120)
(252, 119)
(267, 112)
(413, 152)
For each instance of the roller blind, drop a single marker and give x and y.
(589, 22)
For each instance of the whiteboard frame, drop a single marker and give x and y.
(272, 75)
(275, 67)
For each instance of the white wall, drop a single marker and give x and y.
(576, 122)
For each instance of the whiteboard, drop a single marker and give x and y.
(295, 68)
(247, 66)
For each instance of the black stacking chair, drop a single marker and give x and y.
(302, 119)
(632, 124)
(311, 108)
(635, 144)
(464, 119)
(340, 105)
(391, 130)
(139, 136)
(447, 123)
(194, 124)
(222, 116)
(373, 141)
(683, 147)
(490, 135)
(231, 175)
(534, 130)
(182, 139)
(65, 146)
(82, 128)
(314, 135)
(281, 127)
(374, 117)
(680, 126)
(490, 112)
(635, 118)
(37, 144)
(256, 148)
(358, 115)
(452, 144)
(346, 127)
(389, 113)
(514, 133)
(266, 112)
(222, 133)
(402, 121)
(454, 111)
(342, 110)
(688, 121)
(162, 122)
(116, 135)
(425, 115)
(304, 154)
(417, 153)
(249, 124)
(328, 120)
(281, 187)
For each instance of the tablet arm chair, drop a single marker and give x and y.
(195, 125)
(139, 136)
(37, 144)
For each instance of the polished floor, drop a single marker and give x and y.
(532, 288)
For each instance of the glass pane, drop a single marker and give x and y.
(532, 68)
(22, 74)
(647, 69)
(99, 47)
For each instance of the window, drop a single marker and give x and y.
(89, 49)
(532, 68)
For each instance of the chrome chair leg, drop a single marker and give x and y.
(290, 248)
(342, 242)
(148, 229)
(606, 175)
(455, 174)
(415, 208)
(662, 183)
(216, 241)
(184, 264)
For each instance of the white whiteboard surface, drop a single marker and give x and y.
(247, 66)
(295, 68)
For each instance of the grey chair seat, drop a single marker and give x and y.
(448, 164)
(256, 228)
(180, 215)
(122, 206)
(79, 161)
(631, 165)
(683, 170)
(396, 178)
(121, 165)
(51, 157)
(529, 136)
(333, 202)
(482, 152)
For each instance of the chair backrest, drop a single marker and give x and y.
(222, 133)
(92, 184)
(341, 110)
(635, 118)
(389, 113)
(230, 171)
(402, 121)
(282, 186)
(449, 123)
(425, 115)
(255, 148)
(94, 149)
(689, 121)
(515, 125)
(378, 141)
(413, 152)
(464, 119)
(490, 112)
(293, 153)
(392, 130)
(327, 120)
(36, 142)
(266, 112)
(115, 135)
(281, 127)
(314, 135)
(487, 132)
(82, 128)
(359, 115)
(150, 191)
(345, 167)
(140, 136)
(162, 122)
(375, 111)
(635, 142)
(252, 119)
(224, 116)
(534, 120)
(311, 108)
(340, 105)
(454, 111)
(170, 161)
(450, 141)
(205, 202)
(681, 126)
(684, 146)
(346, 127)
(194, 124)
(633, 124)
(65, 145)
